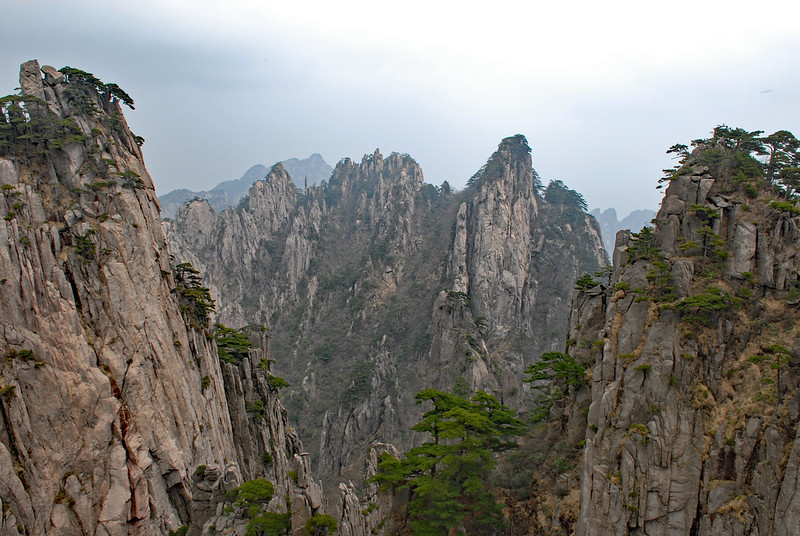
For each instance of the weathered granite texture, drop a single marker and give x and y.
(689, 430)
(103, 416)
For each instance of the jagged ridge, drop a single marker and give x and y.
(376, 285)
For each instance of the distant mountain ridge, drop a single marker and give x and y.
(314, 169)
(610, 224)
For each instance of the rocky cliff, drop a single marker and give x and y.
(376, 285)
(103, 414)
(692, 427)
(115, 416)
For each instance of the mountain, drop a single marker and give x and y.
(692, 349)
(117, 415)
(376, 285)
(309, 171)
(663, 395)
(610, 225)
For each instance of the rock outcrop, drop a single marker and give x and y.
(377, 512)
(692, 427)
(103, 416)
(115, 415)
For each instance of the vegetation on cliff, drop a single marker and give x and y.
(447, 475)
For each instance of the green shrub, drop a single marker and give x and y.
(194, 299)
(255, 407)
(276, 382)
(233, 345)
(585, 282)
(84, 246)
(8, 392)
(556, 366)
(252, 494)
(700, 308)
(321, 525)
(784, 206)
(270, 524)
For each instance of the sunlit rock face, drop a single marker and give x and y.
(103, 419)
(115, 415)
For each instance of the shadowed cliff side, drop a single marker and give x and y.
(695, 401)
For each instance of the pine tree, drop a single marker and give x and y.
(447, 475)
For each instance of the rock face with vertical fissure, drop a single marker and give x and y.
(104, 419)
(115, 415)
(692, 427)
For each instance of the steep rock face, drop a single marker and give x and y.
(493, 265)
(377, 512)
(693, 421)
(377, 285)
(264, 440)
(266, 446)
(115, 415)
(516, 256)
(103, 416)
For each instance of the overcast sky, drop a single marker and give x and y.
(600, 89)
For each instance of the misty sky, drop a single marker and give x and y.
(600, 89)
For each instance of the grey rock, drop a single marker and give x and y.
(30, 79)
(673, 205)
(682, 273)
(744, 248)
(52, 76)
(130, 388)
(678, 447)
(9, 173)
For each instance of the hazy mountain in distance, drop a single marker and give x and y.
(227, 193)
(313, 168)
(610, 224)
